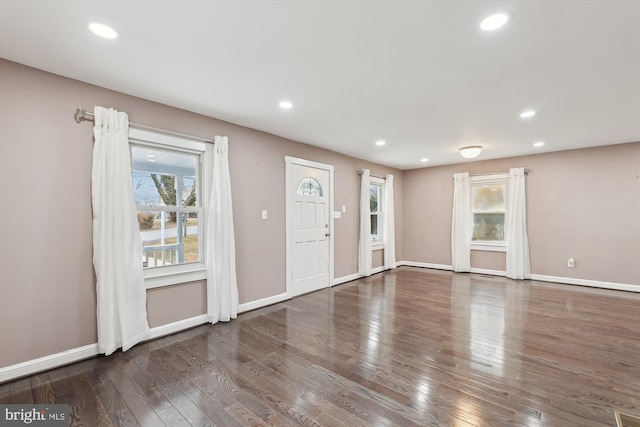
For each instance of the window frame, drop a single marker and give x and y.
(479, 181)
(378, 244)
(181, 273)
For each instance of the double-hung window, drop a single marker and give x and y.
(168, 191)
(489, 214)
(375, 205)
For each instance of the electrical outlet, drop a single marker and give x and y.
(571, 263)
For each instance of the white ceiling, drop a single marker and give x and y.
(419, 74)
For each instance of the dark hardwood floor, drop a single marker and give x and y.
(412, 347)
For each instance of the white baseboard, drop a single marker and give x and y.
(248, 306)
(585, 282)
(489, 272)
(76, 354)
(540, 277)
(355, 276)
(47, 362)
(345, 279)
(425, 265)
(172, 328)
(66, 357)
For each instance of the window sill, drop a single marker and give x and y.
(490, 247)
(376, 246)
(159, 277)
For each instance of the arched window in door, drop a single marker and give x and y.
(309, 187)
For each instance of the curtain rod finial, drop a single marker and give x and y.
(79, 116)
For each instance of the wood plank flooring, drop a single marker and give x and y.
(412, 347)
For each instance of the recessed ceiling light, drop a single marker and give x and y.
(424, 160)
(527, 114)
(538, 144)
(286, 105)
(102, 30)
(380, 143)
(494, 22)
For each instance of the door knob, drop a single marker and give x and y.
(327, 234)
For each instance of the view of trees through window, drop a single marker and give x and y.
(488, 206)
(165, 191)
(374, 206)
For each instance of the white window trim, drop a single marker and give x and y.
(176, 274)
(489, 247)
(498, 178)
(157, 279)
(168, 140)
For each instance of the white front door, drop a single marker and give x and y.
(308, 226)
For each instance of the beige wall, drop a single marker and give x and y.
(47, 283)
(583, 204)
(161, 303)
(377, 259)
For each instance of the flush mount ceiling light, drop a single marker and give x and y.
(471, 151)
(286, 105)
(493, 22)
(527, 114)
(380, 143)
(424, 160)
(103, 30)
(538, 144)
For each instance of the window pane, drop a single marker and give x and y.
(488, 197)
(169, 238)
(488, 227)
(373, 197)
(375, 235)
(188, 191)
(163, 177)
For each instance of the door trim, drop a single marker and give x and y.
(289, 161)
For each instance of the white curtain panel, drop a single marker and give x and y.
(389, 231)
(518, 262)
(364, 239)
(222, 283)
(461, 231)
(117, 253)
